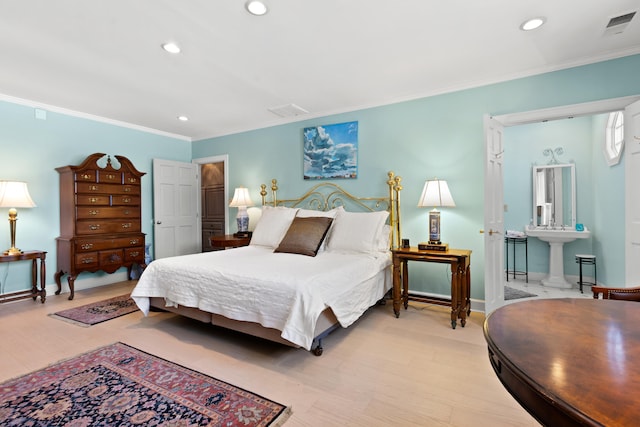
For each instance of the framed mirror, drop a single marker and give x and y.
(554, 196)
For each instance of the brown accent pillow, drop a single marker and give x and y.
(305, 235)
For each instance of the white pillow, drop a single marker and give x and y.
(384, 238)
(305, 213)
(356, 231)
(272, 226)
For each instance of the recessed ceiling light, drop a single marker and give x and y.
(183, 118)
(255, 7)
(171, 47)
(532, 24)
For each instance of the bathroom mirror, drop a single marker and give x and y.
(554, 196)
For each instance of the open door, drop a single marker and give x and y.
(175, 208)
(493, 215)
(632, 193)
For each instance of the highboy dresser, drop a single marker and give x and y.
(100, 218)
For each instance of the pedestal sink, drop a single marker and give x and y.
(556, 239)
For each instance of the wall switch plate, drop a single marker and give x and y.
(41, 114)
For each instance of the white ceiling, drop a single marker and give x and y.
(103, 57)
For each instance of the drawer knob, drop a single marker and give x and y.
(133, 242)
(114, 258)
(126, 225)
(93, 200)
(126, 200)
(127, 190)
(87, 246)
(134, 253)
(87, 260)
(93, 188)
(94, 227)
(93, 212)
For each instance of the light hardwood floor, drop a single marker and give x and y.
(383, 371)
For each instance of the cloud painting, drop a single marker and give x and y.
(331, 151)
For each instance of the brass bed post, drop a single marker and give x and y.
(274, 189)
(394, 199)
(263, 193)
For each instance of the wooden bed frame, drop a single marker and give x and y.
(323, 197)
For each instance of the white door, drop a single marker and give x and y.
(493, 215)
(175, 208)
(632, 193)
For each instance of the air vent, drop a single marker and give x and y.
(288, 110)
(618, 24)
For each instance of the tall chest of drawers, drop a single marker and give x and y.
(100, 218)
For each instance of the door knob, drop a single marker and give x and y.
(491, 232)
(158, 222)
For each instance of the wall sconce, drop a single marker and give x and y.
(14, 195)
(241, 200)
(435, 194)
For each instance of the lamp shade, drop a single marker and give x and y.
(241, 198)
(436, 193)
(15, 194)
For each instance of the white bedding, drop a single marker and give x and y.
(277, 290)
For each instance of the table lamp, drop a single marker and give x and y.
(14, 195)
(435, 194)
(241, 200)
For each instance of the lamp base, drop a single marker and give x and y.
(13, 251)
(430, 246)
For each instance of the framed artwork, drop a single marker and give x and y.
(331, 151)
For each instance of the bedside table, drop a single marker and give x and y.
(229, 241)
(459, 259)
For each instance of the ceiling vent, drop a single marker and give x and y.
(618, 24)
(288, 110)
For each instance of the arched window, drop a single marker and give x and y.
(614, 138)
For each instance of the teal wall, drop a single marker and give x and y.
(33, 148)
(599, 192)
(439, 136)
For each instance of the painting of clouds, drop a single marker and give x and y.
(331, 151)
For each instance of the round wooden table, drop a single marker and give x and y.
(569, 361)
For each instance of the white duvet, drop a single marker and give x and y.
(277, 290)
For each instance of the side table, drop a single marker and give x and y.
(34, 292)
(459, 259)
(229, 241)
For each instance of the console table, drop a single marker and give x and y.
(460, 261)
(569, 361)
(34, 292)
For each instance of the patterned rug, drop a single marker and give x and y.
(97, 312)
(511, 293)
(118, 385)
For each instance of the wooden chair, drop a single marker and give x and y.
(628, 294)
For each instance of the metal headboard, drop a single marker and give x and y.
(328, 195)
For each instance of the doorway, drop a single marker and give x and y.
(213, 195)
(494, 297)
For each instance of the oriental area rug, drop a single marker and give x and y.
(97, 312)
(119, 385)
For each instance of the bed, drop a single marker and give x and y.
(314, 263)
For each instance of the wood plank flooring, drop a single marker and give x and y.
(383, 371)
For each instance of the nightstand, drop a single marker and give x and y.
(459, 259)
(229, 241)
